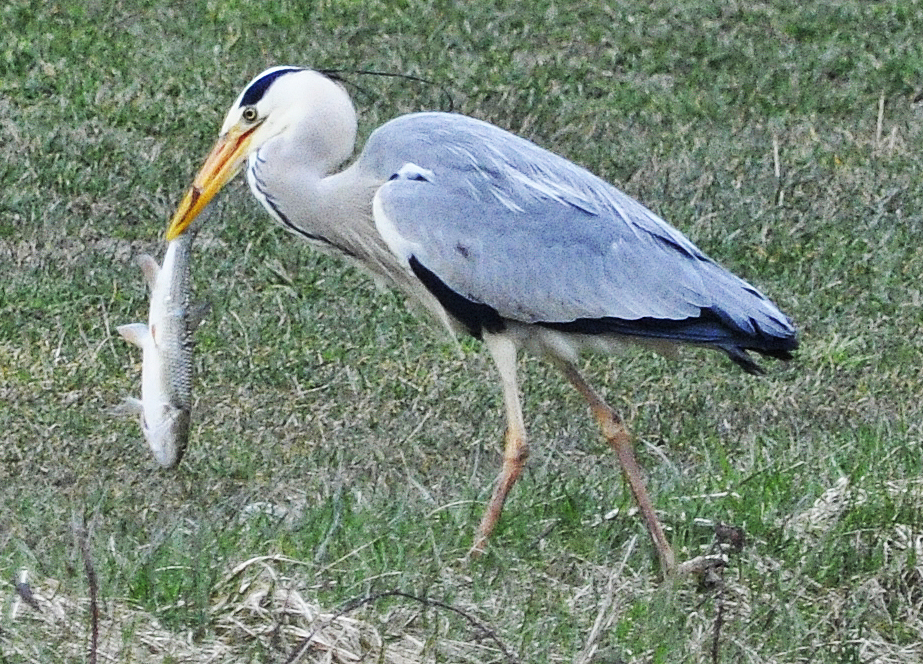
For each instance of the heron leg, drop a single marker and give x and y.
(516, 450)
(617, 436)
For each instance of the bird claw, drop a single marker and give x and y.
(701, 566)
(477, 550)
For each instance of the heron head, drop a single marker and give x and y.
(280, 102)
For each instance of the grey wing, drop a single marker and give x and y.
(504, 223)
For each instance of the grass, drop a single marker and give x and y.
(343, 447)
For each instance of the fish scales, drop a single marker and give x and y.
(167, 344)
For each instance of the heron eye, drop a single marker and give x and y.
(249, 114)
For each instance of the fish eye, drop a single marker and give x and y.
(250, 114)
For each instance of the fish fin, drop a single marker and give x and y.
(134, 333)
(197, 312)
(130, 406)
(150, 268)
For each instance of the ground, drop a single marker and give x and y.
(343, 447)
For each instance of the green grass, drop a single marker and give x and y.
(354, 445)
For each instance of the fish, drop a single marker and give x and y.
(167, 344)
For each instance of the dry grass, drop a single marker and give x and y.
(341, 450)
(257, 608)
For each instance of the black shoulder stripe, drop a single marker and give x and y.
(475, 316)
(258, 88)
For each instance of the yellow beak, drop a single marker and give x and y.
(223, 162)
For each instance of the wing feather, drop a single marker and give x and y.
(505, 223)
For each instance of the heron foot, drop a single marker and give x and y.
(478, 548)
(700, 566)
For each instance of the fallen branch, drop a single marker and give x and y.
(354, 604)
(80, 532)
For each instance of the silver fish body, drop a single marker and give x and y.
(166, 343)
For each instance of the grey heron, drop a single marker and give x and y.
(495, 236)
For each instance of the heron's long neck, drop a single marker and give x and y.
(333, 212)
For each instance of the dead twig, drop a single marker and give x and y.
(719, 623)
(80, 532)
(354, 604)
